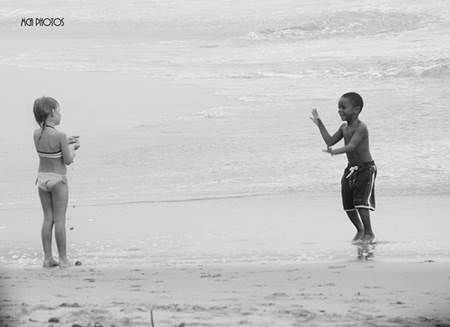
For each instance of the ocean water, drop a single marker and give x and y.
(268, 63)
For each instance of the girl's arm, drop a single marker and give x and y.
(68, 151)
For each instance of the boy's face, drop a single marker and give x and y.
(346, 109)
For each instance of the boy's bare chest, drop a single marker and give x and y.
(348, 132)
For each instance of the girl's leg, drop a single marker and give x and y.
(47, 228)
(354, 218)
(60, 197)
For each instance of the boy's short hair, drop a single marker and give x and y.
(355, 99)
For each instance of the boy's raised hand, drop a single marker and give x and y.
(315, 116)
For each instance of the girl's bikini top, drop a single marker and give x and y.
(50, 155)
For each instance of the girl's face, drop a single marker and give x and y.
(56, 116)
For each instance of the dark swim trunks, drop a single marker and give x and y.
(358, 186)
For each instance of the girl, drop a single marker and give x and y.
(55, 151)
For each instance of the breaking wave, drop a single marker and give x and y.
(346, 23)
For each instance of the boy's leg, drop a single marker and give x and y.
(60, 197)
(47, 228)
(364, 213)
(356, 221)
(364, 200)
(347, 203)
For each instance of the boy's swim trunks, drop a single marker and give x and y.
(358, 186)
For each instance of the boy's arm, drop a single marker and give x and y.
(356, 139)
(329, 140)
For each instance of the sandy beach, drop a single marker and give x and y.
(351, 293)
(213, 270)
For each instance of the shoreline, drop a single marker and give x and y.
(276, 228)
(262, 261)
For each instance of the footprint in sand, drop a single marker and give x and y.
(301, 315)
(276, 295)
(244, 322)
(337, 267)
(209, 275)
(90, 280)
(70, 305)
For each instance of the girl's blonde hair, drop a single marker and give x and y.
(43, 108)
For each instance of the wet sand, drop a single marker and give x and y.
(210, 263)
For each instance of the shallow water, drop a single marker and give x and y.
(285, 229)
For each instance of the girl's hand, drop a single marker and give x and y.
(315, 116)
(74, 146)
(73, 139)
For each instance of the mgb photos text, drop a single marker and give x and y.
(42, 22)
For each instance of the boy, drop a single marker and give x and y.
(357, 183)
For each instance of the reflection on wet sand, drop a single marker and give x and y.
(365, 250)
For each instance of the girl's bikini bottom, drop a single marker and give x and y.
(46, 181)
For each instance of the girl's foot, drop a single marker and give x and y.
(50, 263)
(64, 263)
